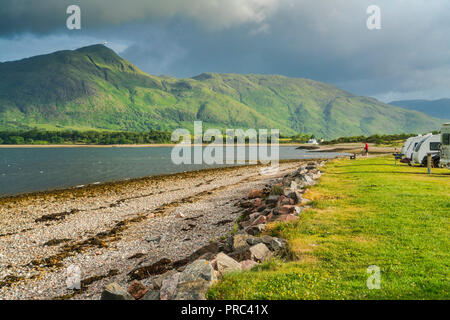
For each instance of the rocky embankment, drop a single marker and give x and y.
(191, 277)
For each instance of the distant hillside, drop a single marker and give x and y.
(435, 108)
(94, 88)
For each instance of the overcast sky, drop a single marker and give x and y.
(324, 40)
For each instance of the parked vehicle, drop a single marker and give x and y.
(430, 144)
(409, 147)
(445, 145)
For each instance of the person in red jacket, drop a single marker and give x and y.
(366, 149)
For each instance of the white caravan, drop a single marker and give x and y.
(409, 146)
(445, 145)
(406, 145)
(431, 144)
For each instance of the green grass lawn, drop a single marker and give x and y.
(365, 212)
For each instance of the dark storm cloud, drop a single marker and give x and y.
(326, 40)
(48, 15)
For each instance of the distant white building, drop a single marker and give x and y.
(312, 141)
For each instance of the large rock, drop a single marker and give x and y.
(114, 291)
(286, 201)
(260, 220)
(273, 243)
(240, 241)
(248, 264)
(198, 270)
(308, 179)
(255, 230)
(272, 199)
(241, 255)
(137, 289)
(260, 252)
(257, 202)
(286, 209)
(168, 286)
(192, 290)
(255, 193)
(298, 210)
(255, 215)
(225, 264)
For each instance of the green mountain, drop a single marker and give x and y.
(94, 88)
(435, 108)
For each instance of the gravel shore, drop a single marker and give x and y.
(107, 230)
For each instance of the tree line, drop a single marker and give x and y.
(154, 136)
(83, 137)
(376, 138)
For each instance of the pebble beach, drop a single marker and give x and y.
(108, 230)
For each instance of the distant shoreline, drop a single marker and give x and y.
(11, 146)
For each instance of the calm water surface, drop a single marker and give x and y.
(38, 169)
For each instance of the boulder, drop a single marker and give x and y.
(261, 208)
(198, 270)
(294, 185)
(257, 202)
(192, 290)
(286, 209)
(245, 224)
(260, 220)
(247, 264)
(114, 291)
(225, 264)
(273, 243)
(260, 252)
(241, 255)
(240, 241)
(286, 201)
(255, 193)
(137, 289)
(255, 215)
(151, 295)
(246, 204)
(309, 180)
(168, 286)
(311, 166)
(255, 230)
(272, 199)
(253, 241)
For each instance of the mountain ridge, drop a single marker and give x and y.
(94, 88)
(436, 108)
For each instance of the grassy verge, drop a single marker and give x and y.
(365, 212)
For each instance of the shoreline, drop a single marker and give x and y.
(19, 146)
(117, 184)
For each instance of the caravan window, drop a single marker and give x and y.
(446, 139)
(419, 145)
(434, 146)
